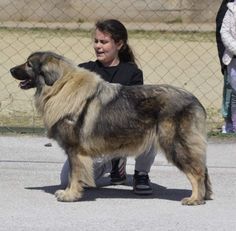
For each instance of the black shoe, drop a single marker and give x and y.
(141, 183)
(118, 172)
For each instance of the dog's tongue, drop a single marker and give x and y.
(24, 84)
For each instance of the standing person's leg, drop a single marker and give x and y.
(233, 110)
(143, 165)
(232, 80)
(226, 104)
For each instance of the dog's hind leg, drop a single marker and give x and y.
(194, 170)
(207, 182)
(201, 188)
(193, 143)
(187, 151)
(81, 173)
(198, 189)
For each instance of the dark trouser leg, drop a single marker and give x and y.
(233, 110)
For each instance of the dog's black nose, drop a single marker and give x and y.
(12, 70)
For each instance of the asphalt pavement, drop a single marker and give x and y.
(29, 176)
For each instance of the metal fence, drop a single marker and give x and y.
(171, 45)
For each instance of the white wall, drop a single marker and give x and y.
(90, 10)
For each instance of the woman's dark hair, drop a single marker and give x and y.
(118, 33)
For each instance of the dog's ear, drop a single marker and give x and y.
(50, 77)
(50, 70)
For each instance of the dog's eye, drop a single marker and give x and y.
(29, 64)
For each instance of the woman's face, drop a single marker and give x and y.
(106, 49)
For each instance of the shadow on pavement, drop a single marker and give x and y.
(105, 190)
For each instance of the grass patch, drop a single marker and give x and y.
(22, 130)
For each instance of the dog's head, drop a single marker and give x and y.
(41, 68)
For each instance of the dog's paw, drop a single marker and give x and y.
(192, 201)
(67, 195)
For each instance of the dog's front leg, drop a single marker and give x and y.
(81, 173)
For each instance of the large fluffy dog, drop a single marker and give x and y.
(89, 117)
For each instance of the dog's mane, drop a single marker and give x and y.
(67, 96)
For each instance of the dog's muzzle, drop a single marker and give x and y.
(26, 81)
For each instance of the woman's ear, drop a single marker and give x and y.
(119, 44)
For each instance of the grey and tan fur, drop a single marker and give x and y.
(90, 117)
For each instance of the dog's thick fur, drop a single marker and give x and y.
(90, 117)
